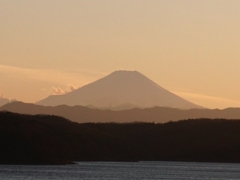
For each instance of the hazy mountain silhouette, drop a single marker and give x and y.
(157, 114)
(4, 101)
(118, 88)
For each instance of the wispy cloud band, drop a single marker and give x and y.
(208, 101)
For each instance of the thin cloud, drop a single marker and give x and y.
(49, 75)
(71, 87)
(57, 91)
(214, 101)
(17, 81)
(60, 91)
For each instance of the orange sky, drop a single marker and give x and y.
(188, 47)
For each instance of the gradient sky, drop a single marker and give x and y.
(190, 47)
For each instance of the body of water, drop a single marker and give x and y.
(123, 171)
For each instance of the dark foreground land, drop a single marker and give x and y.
(45, 139)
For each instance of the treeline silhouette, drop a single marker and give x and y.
(46, 139)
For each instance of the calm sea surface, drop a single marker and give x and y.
(123, 170)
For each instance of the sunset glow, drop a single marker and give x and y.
(189, 47)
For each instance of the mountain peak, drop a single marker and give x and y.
(125, 73)
(125, 78)
(120, 87)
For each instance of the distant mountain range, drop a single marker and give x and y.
(157, 114)
(120, 90)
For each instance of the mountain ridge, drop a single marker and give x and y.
(83, 114)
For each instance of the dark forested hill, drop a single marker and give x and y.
(45, 139)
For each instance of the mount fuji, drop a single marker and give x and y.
(120, 89)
